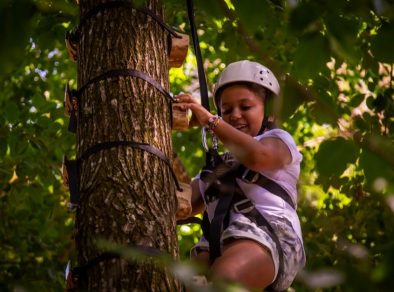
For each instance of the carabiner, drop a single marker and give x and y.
(204, 139)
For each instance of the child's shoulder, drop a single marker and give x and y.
(277, 133)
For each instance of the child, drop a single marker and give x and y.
(252, 233)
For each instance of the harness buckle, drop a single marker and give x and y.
(246, 208)
(254, 178)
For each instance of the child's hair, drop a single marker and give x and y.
(257, 89)
(264, 93)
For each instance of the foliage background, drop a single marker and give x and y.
(335, 63)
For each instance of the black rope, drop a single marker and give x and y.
(143, 146)
(197, 51)
(80, 271)
(126, 4)
(209, 157)
(126, 72)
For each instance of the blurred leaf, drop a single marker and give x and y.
(311, 56)
(15, 23)
(254, 13)
(381, 47)
(292, 99)
(343, 32)
(302, 16)
(334, 156)
(375, 168)
(323, 109)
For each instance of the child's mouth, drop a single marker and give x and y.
(241, 127)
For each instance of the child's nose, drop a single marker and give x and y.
(235, 114)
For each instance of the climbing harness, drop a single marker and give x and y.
(222, 186)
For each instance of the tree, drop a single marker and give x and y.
(127, 194)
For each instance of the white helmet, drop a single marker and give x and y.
(246, 71)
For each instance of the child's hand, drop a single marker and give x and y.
(188, 102)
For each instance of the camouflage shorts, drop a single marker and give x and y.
(293, 250)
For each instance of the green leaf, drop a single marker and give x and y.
(333, 156)
(324, 110)
(254, 13)
(374, 168)
(343, 37)
(292, 98)
(311, 56)
(15, 22)
(302, 16)
(383, 45)
(11, 112)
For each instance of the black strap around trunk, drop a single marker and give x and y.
(73, 166)
(80, 271)
(125, 4)
(75, 95)
(143, 146)
(126, 72)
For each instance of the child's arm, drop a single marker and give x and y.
(268, 153)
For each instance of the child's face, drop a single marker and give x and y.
(242, 108)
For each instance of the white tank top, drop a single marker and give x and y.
(268, 204)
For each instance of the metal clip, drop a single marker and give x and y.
(204, 140)
(238, 208)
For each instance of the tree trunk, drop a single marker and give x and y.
(127, 194)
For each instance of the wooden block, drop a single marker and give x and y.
(184, 201)
(180, 119)
(179, 169)
(72, 47)
(178, 50)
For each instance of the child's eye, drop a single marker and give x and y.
(226, 111)
(245, 107)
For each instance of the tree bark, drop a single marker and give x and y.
(127, 195)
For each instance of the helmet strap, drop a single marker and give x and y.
(268, 122)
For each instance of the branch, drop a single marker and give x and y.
(254, 47)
